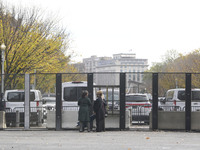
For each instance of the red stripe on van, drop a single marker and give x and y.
(37, 103)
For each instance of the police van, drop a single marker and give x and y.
(175, 100)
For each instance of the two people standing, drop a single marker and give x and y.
(99, 111)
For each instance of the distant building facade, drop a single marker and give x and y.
(122, 62)
(90, 64)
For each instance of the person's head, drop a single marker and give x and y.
(99, 93)
(84, 94)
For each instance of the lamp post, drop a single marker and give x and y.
(3, 47)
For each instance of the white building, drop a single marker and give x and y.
(90, 64)
(123, 62)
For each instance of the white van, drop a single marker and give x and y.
(175, 100)
(71, 92)
(14, 101)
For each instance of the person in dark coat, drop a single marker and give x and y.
(83, 115)
(99, 110)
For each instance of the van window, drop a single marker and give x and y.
(169, 96)
(19, 96)
(73, 93)
(181, 95)
(195, 95)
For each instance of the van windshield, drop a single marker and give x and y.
(195, 95)
(19, 96)
(73, 93)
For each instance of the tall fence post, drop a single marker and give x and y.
(90, 91)
(122, 125)
(90, 85)
(155, 102)
(188, 102)
(27, 102)
(58, 101)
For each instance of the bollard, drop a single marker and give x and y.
(17, 118)
(2, 120)
(39, 118)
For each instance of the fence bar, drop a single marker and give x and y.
(58, 101)
(90, 91)
(188, 102)
(155, 102)
(90, 85)
(27, 102)
(122, 125)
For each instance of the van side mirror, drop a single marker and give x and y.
(163, 100)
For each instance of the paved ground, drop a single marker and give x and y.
(109, 140)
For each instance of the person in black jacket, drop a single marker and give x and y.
(99, 110)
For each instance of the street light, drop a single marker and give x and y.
(3, 47)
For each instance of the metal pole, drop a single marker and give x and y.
(58, 101)
(90, 83)
(122, 121)
(3, 47)
(2, 71)
(155, 101)
(188, 102)
(27, 103)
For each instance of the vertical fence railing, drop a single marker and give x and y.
(188, 102)
(90, 91)
(58, 101)
(122, 101)
(27, 102)
(155, 102)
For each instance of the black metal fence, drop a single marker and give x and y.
(115, 87)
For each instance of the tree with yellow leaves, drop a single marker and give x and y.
(32, 43)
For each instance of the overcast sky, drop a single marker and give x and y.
(147, 27)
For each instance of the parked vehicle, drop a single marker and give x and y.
(49, 95)
(112, 98)
(140, 105)
(175, 100)
(71, 92)
(49, 104)
(14, 101)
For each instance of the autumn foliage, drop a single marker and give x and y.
(33, 44)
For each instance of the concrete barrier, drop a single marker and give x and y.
(70, 119)
(2, 120)
(175, 120)
(113, 121)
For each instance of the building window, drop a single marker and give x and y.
(133, 77)
(138, 77)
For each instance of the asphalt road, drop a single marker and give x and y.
(109, 140)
